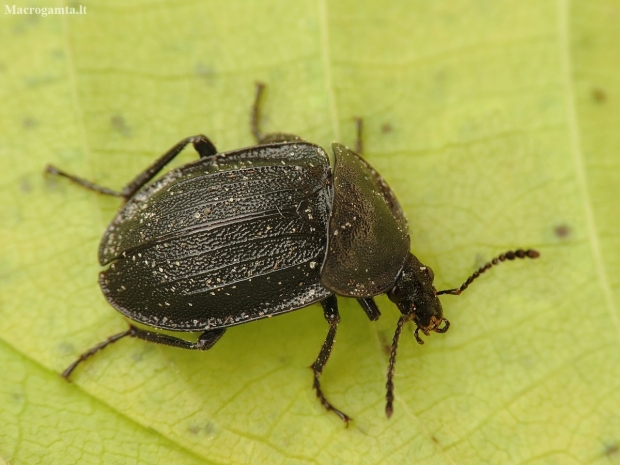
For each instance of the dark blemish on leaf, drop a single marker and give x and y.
(208, 429)
(50, 183)
(29, 122)
(35, 81)
(17, 397)
(139, 355)
(611, 450)
(562, 231)
(120, 125)
(205, 72)
(385, 343)
(386, 128)
(26, 22)
(2, 67)
(193, 429)
(24, 185)
(434, 439)
(284, 360)
(65, 348)
(599, 95)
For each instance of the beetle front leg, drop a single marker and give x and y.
(330, 310)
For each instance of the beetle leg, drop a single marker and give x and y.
(255, 118)
(359, 125)
(330, 310)
(93, 350)
(389, 396)
(49, 169)
(370, 308)
(205, 342)
(202, 144)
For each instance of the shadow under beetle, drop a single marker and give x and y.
(255, 232)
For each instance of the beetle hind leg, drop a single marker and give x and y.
(201, 143)
(359, 126)
(205, 341)
(49, 169)
(330, 310)
(255, 121)
(93, 350)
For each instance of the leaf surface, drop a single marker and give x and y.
(496, 124)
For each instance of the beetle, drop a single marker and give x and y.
(256, 232)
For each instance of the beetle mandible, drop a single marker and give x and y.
(256, 232)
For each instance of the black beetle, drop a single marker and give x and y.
(248, 234)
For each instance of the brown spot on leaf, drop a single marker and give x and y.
(599, 95)
(24, 185)
(612, 450)
(205, 72)
(29, 122)
(208, 429)
(385, 343)
(562, 231)
(386, 128)
(120, 125)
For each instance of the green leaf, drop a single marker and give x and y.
(495, 122)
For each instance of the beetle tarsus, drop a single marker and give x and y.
(49, 169)
(416, 333)
(325, 403)
(255, 120)
(445, 328)
(93, 350)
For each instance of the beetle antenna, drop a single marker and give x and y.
(510, 255)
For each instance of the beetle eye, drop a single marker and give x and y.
(394, 294)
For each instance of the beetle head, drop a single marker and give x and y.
(416, 297)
